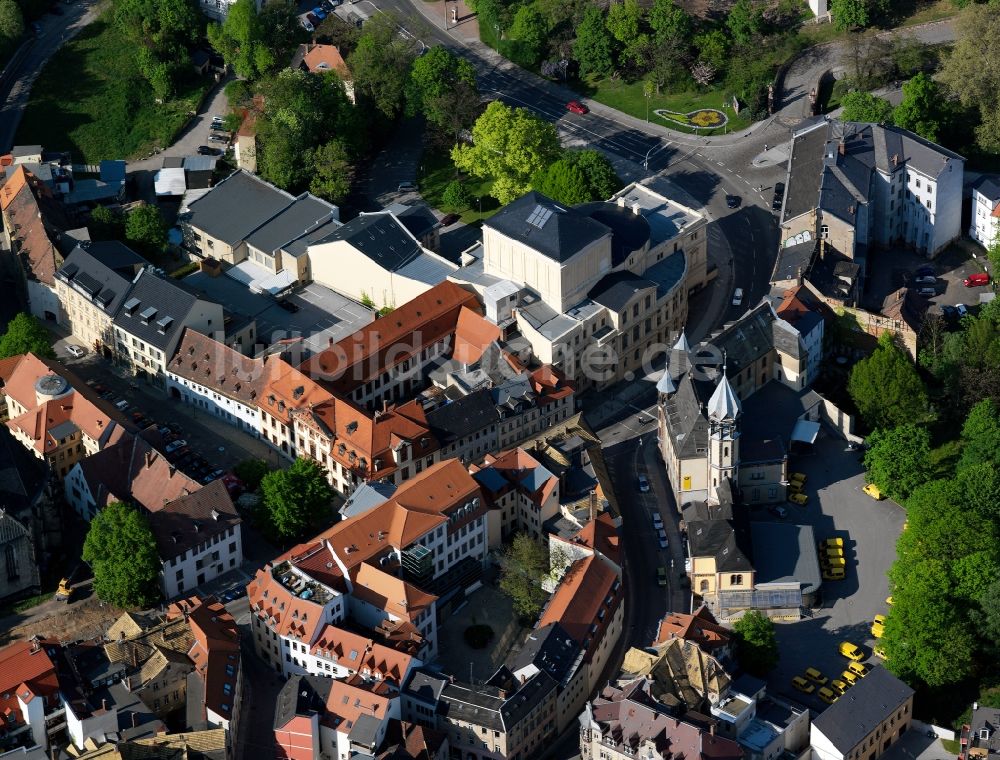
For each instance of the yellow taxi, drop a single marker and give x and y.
(833, 573)
(797, 477)
(839, 686)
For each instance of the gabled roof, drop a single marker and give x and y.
(381, 237)
(701, 628)
(28, 224)
(557, 232)
(237, 206)
(193, 519)
(387, 592)
(306, 214)
(26, 670)
(319, 58)
(579, 599)
(105, 286)
(362, 655)
(216, 366)
(155, 310)
(860, 711)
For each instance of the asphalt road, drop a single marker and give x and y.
(55, 31)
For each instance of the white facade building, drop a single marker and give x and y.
(985, 226)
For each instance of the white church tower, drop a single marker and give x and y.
(724, 410)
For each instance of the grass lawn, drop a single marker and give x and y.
(933, 11)
(91, 100)
(628, 97)
(438, 171)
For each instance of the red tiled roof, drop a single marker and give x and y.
(699, 628)
(473, 333)
(215, 365)
(361, 654)
(26, 670)
(579, 598)
(21, 208)
(390, 340)
(602, 535)
(287, 389)
(326, 58)
(215, 651)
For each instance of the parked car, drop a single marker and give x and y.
(319, 13)
(37, 29)
(575, 106)
(661, 576)
(779, 196)
(850, 651)
(836, 541)
(961, 310)
(850, 678)
(833, 574)
(643, 483)
(288, 306)
(306, 24)
(99, 388)
(407, 187)
(121, 404)
(803, 685)
(859, 668)
(815, 676)
(449, 220)
(163, 430)
(657, 521)
(977, 279)
(827, 695)
(925, 280)
(839, 686)
(878, 626)
(799, 498)
(738, 297)
(175, 426)
(205, 150)
(733, 201)
(927, 292)
(664, 544)
(174, 445)
(873, 490)
(74, 350)
(949, 312)
(798, 477)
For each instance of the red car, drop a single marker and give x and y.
(575, 106)
(977, 279)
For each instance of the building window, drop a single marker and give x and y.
(736, 580)
(13, 572)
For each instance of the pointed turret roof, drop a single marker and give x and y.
(682, 343)
(665, 384)
(724, 404)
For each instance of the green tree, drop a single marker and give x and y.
(602, 181)
(756, 643)
(523, 565)
(669, 21)
(850, 14)
(921, 108)
(251, 472)
(563, 182)
(240, 38)
(106, 224)
(510, 145)
(863, 106)
(528, 32)
(442, 86)
(11, 21)
(745, 22)
(981, 435)
(969, 70)
(332, 172)
(987, 617)
(146, 229)
(593, 47)
(381, 65)
(713, 48)
(896, 459)
(24, 334)
(455, 197)
(121, 550)
(296, 500)
(886, 387)
(623, 20)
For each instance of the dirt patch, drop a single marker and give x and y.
(87, 619)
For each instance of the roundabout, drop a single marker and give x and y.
(703, 118)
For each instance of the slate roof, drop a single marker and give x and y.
(381, 237)
(859, 712)
(989, 186)
(237, 206)
(550, 649)
(106, 286)
(630, 231)
(785, 553)
(564, 233)
(465, 416)
(306, 214)
(615, 290)
(301, 695)
(169, 300)
(717, 538)
(193, 519)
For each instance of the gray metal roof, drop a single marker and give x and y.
(857, 713)
(463, 417)
(717, 538)
(305, 215)
(381, 237)
(105, 286)
(785, 553)
(550, 649)
(169, 301)
(988, 185)
(630, 231)
(540, 223)
(617, 289)
(236, 207)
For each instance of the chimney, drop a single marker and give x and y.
(711, 726)
(895, 159)
(135, 720)
(842, 148)
(104, 705)
(636, 208)
(149, 459)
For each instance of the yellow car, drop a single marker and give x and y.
(879, 620)
(839, 686)
(850, 678)
(815, 676)
(850, 651)
(877, 630)
(803, 685)
(797, 477)
(888, 600)
(827, 696)
(799, 498)
(873, 490)
(833, 552)
(879, 651)
(794, 487)
(834, 562)
(835, 542)
(858, 667)
(833, 574)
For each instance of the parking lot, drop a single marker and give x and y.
(893, 269)
(838, 507)
(320, 315)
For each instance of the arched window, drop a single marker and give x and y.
(703, 587)
(736, 580)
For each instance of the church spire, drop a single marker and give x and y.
(724, 404)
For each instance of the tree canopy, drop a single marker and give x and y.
(850, 14)
(523, 566)
(981, 435)
(528, 31)
(897, 459)
(922, 108)
(510, 145)
(11, 23)
(251, 472)
(756, 643)
(240, 40)
(121, 550)
(380, 65)
(442, 86)
(146, 229)
(296, 500)
(886, 387)
(593, 47)
(578, 177)
(332, 172)
(24, 334)
(863, 106)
